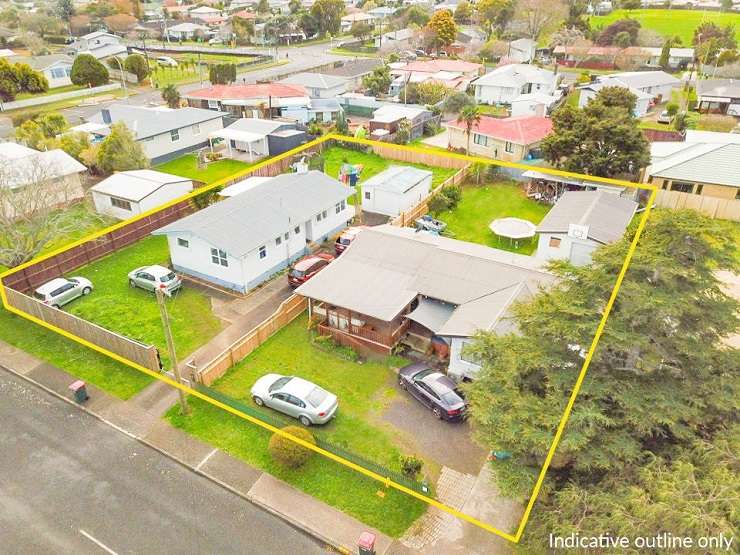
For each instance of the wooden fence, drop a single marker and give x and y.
(719, 208)
(145, 355)
(288, 311)
(430, 158)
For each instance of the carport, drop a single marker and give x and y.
(245, 141)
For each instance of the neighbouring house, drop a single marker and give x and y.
(56, 67)
(348, 21)
(387, 119)
(580, 222)
(649, 56)
(204, 13)
(319, 109)
(99, 44)
(718, 96)
(511, 139)
(395, 285)
(643, 100)
(317, 85)
(164, 133)
(522, 50)
(267, 100)
(395, 190)
(650, 87)
(255, 138)
(53, 173)
(240, 242)
(534, 104)
(701, 168)
(506, 83)
(354, 71)
(468, 34)
(587, 57)
(129, 193)
(395, 40)
(453, 74)
(262, 35)
(188, 31)
(382, 12)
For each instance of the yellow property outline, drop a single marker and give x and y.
(369, 473)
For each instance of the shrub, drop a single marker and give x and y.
(287, 452)
(438, 203)
(671, 108)
(411, 466)
(136, 64)
(86, 70)
(453, 194)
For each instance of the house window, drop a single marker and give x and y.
(278, 241)
(219, 257)
(698, 189)
(286, 236)
(509, 147)
(323, 215)
(58, 72)
(263, 252)
(196, 129)
(120, 203)
(340, 206)
(297, 230)
(682, 186)
(367, 195)
(480, 139)
(466, 355)
(213, 104)
(183, 242)
(175, 135)
(318, 217)
(555, 242)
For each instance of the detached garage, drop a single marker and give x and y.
(395, 190)
(126, 194)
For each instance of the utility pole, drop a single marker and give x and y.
(171, 348)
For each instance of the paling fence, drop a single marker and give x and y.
(718, 208)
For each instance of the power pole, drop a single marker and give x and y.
(171, 348)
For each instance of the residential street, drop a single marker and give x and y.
(72, 484)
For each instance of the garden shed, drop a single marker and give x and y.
(395, 190)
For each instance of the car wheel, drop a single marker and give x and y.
(304, 420)
(258, 401)
(86, 291)
(132, 283)
(402, 383)
(437, 413)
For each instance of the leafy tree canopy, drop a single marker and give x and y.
(120, 151)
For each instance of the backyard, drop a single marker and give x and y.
(187, 166)
(364, 390)
(481, 204)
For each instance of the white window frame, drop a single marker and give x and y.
(262, 252)
(174, 135)
(120, 203)
(196, 129)
(509, 147)
(219, 257)
(184, 243)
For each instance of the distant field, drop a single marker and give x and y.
(671, 22)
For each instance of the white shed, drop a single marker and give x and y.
(395, 190)
(128, 193)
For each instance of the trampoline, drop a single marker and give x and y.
(513, 229)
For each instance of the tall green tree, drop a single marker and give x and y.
(86, 70)
(328, 14)
(495, 14)
(263, 7)
(65, 9)
(120, 151)
(171, 96)
(136, 64)
(19, 78)
(470, 115)
(378, 81)
(602, 138)
(443, 29)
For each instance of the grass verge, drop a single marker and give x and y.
(187, 166)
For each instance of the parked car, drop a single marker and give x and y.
(296, 397)
(166, 61)
(408, 55)
(420, 52)
(307, 267)
(215, 40)
(155, 277)
(346, 237)
(664, 117)
(60, 291)
(434, 390)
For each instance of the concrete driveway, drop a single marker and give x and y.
(448, 443)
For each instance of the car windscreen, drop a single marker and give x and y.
(317, 396)
(297, 273)
(278, 384)
(39, 296)
(344, 240)
(168, 277)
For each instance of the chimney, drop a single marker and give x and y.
(106, 115)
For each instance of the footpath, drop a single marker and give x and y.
(141, 418)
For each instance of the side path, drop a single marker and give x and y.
(325, 523)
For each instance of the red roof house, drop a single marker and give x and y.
(511, 139)
(253, 100)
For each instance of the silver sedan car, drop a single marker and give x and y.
(155, 277)
(295, 397)
(61, 291)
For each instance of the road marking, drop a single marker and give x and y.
(100, 544)
(205, 459)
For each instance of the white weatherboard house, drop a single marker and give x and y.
(240, 242)
(506, 83)
(395, 190)
(128, 193)
(582, 221)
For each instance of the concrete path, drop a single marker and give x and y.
(440, 140)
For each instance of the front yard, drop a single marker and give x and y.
(134, 312)
(364, 391)
(481, 204)
(187, 166)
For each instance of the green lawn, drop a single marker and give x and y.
(55, 90)
(670, 22)
(490, 110)
(134, 312)
(480, 205)
(372, 164)
(186, 166)
(363, 390)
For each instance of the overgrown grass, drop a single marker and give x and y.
(187, 166)
(134, 312)
(480, 205)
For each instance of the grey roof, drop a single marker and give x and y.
(643, 79)
(386, 267)
(315, 80)
(355, 67)
(718, 87)
(701, 163)
(257, 125)
(244, 222)
(431, 314)
(607, 82)
(147, 122)
(136, 185)
(325, 105)
(40, 63)
(397, 179)
(606, 214)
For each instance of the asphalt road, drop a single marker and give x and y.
(71, 484)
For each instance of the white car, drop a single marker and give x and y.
(215, 40)
(296, 397)
(155, 277)
(60, 291)
(664, 117)
(166, 61)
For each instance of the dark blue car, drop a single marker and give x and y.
(434, 390)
